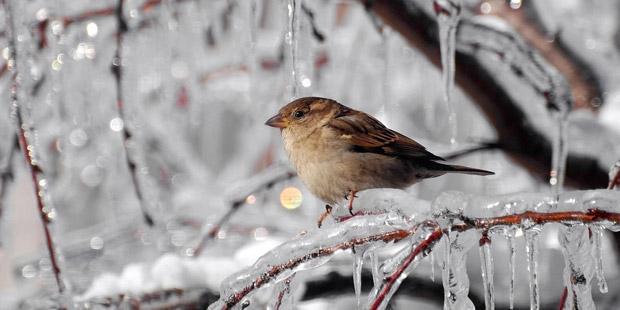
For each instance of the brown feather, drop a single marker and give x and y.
(367, 134)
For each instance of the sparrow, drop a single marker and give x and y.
(338, 151)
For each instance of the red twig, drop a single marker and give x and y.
(391, 279)
(27, 148)
(563, 298)
(118, 76)
(283, 292)
(592, 215)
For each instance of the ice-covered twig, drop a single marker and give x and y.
(284, 292)
(238, 197)
(390, 283)
(117, 70)
(24, 134)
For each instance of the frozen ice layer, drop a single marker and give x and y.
(312, 250)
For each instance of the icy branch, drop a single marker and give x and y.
(117, 65)
(485, 47)
(24, 136)
(455, 214)
(310, 251)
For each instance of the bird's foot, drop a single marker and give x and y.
(324, 215)
(353, 196)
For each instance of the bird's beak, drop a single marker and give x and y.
(277, 122)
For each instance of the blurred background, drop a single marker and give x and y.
(158, 107)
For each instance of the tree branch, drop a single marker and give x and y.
(510, 115)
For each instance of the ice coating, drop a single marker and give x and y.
(597, 252)
(486, 264)
(579, 267)
(531, 247)
(310, 251)
(448, 16)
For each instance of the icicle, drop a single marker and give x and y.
(454, 271)
(358, 262)
(448, 14)
(597, 244)
(510, 235)
(486, 264)
(579, 268)
(560, 151)
(293, 9)
(376, 275)
(385, 115)
(445, 271)
(531, 247)
(432, 261)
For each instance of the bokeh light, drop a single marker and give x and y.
(290, 198)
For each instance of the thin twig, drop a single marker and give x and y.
(118, 76)
(486, 146)
(38, 178)
(235, 205)
(563, 298)
(286, 290)
(389, 282)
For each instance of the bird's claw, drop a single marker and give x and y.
(324, 215)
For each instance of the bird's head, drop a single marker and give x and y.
(303, 116)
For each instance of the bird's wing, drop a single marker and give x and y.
(367, 134)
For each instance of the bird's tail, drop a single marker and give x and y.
(466, 170)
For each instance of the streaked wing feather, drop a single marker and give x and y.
(367, 134)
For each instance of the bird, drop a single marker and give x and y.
(338, 151)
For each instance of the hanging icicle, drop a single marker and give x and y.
(531, 247)
(293, 8)
(486, 264)
(510, 234)
(579, 267)
(597, 252)
(448, 14)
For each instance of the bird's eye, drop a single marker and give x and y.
(299, 114)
